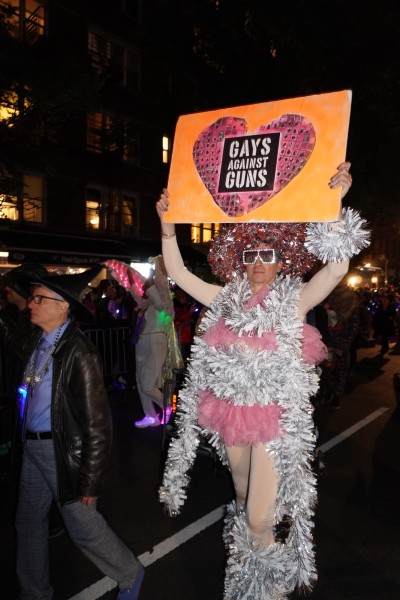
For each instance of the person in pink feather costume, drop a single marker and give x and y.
(250, 379)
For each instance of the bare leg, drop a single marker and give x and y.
(255, 479)
(262, 492)
(239, 461)
(256, 566)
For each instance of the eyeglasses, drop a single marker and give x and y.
(38, 299)
(266, 255)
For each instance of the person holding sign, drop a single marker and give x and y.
(248, 387)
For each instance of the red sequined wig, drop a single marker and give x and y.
(225, 256)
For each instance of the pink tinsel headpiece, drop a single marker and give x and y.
(225, 256)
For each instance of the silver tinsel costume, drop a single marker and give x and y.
(243, 375)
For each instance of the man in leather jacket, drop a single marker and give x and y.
(67, 433)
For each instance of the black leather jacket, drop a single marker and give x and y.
(80, 412)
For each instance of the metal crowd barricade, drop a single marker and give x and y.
(113, 345)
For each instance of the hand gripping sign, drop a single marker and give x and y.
(263, 162)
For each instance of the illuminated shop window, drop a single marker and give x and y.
(204, 232)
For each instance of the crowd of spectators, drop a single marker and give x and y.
(347, 320)
(110, 304)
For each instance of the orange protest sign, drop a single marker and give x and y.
(263, 162)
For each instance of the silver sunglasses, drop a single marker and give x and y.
(266, 255)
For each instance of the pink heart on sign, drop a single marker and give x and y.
(242, 171)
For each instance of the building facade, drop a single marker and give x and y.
(109, 164)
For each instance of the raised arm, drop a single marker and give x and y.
(321, 285)
(197, 288)
(333, 243)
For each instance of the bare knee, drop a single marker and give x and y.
(259, 526)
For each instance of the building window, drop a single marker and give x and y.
(93, 205)
(113, 59)
(102, 209)
(165, 149)
(106, 133)
(111, 210)
(129, 212)
(32, 207)
(204, 232)
(100, 133)
(8, 207)
(27, 204)
(104, 53)
(32, 24)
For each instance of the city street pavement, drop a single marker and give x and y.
(357, 523)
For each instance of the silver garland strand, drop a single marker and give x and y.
(338, 245)
(253, 572)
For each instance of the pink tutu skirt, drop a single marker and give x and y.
(239, 425)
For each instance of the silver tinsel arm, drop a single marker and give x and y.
(340, 244)
(181, 453)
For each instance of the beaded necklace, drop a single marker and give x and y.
(37, 372)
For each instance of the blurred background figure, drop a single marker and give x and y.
(157, 353)
(106, 295)
(185, 311)
(344, 332)
(367, 339)
(90, 300)
(384, 322)
(15, 316)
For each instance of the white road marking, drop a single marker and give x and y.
(348, 432)
(106, 584)
(181, 537)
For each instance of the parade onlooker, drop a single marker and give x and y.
(156, 349)
(344, 330)
(385, 322)
(184, 311)
(15, 316)
(107, 294)
(91, 299)
(67, 432)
